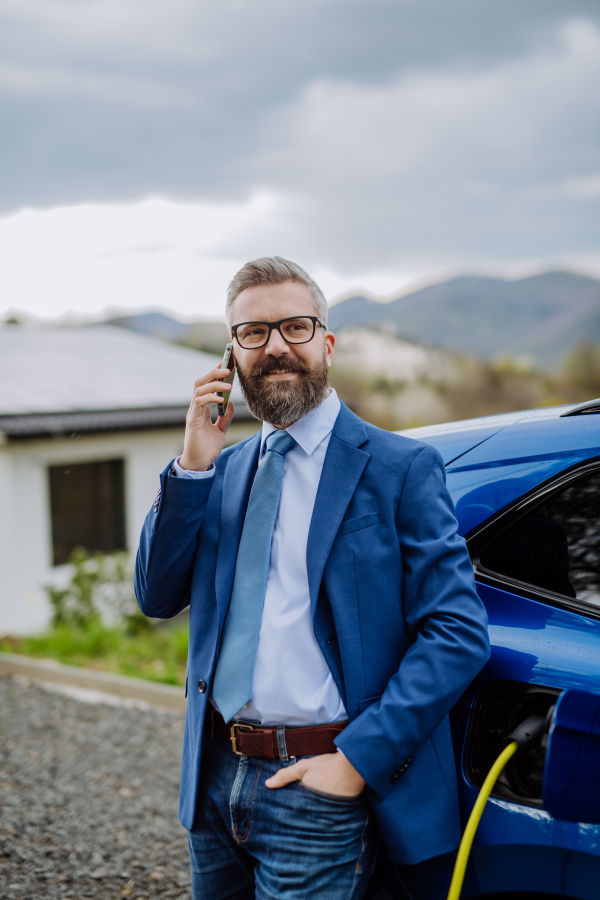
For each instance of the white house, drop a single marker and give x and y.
(89, 417)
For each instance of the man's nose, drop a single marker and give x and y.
(276, 344)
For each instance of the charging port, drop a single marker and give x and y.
(498, 708)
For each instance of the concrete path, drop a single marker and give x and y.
(48, 670)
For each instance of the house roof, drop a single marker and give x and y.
(64, 380)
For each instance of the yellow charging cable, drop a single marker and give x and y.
(464, 850)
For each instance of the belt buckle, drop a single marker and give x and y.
(246, 729)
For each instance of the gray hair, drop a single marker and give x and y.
(273, 270)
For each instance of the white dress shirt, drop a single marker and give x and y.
(292, 681)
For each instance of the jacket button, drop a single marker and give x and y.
(201, 686)
(395, 777)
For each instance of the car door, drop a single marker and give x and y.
(537, 566)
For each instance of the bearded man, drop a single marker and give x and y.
(334, 620)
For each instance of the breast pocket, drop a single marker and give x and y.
(358, 523)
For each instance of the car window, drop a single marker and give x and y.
(556, 546)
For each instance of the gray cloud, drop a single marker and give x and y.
(396, 132)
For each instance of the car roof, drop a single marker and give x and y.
(454, 439)
(492, 461)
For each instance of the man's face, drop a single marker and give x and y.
(281, 381)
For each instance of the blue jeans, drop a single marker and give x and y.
(292, 842)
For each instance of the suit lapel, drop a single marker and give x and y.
(237, 484)
(343, 466)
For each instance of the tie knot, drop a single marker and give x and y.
(280, 442)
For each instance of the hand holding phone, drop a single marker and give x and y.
(228, 363)
(204, 439)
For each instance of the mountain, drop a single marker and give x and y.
(543, 317)
(208, 336)
(153, 324)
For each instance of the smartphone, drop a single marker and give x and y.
(228, 363)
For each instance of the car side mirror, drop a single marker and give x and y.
(572, 773)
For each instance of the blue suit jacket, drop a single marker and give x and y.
(395, 612)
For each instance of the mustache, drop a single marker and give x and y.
(278, 363)
(282, 402)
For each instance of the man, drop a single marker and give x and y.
(333, 615)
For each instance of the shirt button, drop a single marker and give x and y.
(201, 686)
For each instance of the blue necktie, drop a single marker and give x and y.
(234, 674)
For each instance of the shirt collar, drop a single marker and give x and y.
(312, 428)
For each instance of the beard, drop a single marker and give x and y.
(282, 402)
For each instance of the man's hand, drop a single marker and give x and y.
(203, 440)
(331, 773)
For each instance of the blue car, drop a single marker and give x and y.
(526, 487)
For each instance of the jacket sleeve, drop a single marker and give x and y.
(165, 557)
(448, 625)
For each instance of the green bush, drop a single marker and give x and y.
(158, 655)
(96, 623)
(101, 587)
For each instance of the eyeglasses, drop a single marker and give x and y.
(297, 330)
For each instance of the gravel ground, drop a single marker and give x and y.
(88, 799)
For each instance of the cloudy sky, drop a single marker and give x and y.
(149, 147)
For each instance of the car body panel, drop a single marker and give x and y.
(540, 644)
(522, 867)
(453, 439)
(514, 461)
(519, 847)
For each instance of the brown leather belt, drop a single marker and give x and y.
(277, 741)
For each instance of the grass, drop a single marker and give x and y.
(157, 654)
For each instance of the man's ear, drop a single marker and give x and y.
(329, 345)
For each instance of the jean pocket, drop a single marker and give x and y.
(333, 798)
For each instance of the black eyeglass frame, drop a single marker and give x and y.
(271, 325)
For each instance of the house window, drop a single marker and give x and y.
(87, 504)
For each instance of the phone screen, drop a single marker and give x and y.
(228, 363)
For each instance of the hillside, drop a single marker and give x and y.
(394, 383)
(152, 324)
(208, 336)
(542, 317)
